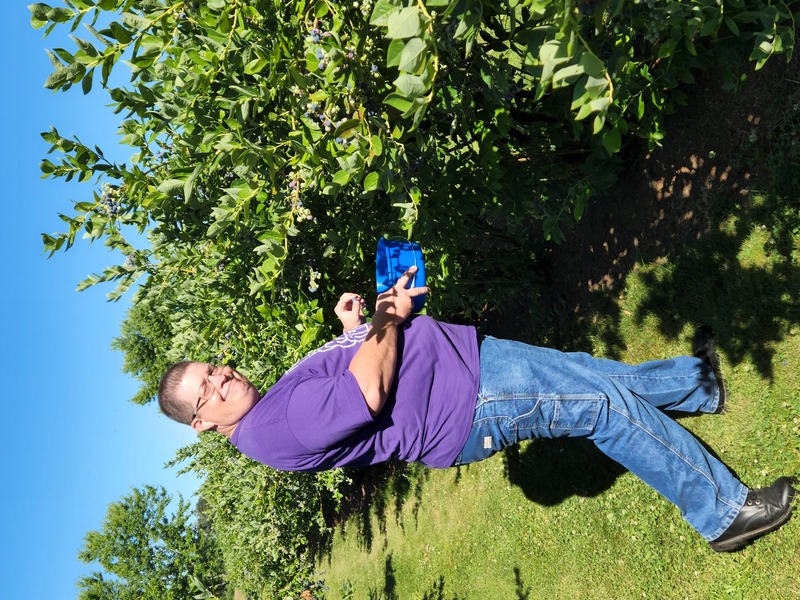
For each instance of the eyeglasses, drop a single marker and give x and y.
(206, 390)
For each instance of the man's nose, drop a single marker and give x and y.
(218, 378)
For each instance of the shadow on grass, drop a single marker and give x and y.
(523, 592)
(436, 591)
(380, 491)
(740, 277)
(749, 306)
(550, 471)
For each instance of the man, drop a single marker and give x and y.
(406, 387)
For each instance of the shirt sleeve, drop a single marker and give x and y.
(324, 411)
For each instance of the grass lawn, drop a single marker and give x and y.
(558, 519)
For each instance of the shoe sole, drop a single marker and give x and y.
(741, 540)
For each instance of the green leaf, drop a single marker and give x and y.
(309, 336)
(612, 140)
(54, 60)
(135, 21)
(171, 186)
(592, 65)
(188, 186)
(347, 129)
(381, 12)
(399, 102)
(85, 46)
(255, 66)
(298, 77)
(405, 23)
(597, 124)
(56, 79)
(40, 10)
(341, 178)
(410, 86)
(413, 55)
(120, 33)
(371, 182)
(64, 55)
(59, 15)
(394, 53)
(732, 26)
(86, 84)
(39, 14)
(321, 9)
(596, 105)
(551, 54)
(567, 75)
(377, 145)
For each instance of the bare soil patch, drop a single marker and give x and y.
(661, 202)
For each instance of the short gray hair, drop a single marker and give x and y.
(172, 406)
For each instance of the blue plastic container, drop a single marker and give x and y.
(394, 257)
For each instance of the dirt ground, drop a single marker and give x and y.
(660, 203)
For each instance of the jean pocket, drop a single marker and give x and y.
(488, 436)
(561, 416)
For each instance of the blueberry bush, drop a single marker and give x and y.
(274, 142)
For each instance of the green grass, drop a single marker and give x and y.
(559, 520)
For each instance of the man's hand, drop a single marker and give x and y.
(396, 304)
(350, 311)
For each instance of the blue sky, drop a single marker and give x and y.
(73, 443)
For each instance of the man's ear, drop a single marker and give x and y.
(201, 425)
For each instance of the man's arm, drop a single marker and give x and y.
(375, 363)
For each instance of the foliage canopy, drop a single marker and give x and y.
(147, 553)
(273, 143)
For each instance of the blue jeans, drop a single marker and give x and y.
(529, 392)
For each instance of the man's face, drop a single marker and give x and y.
(219, 396)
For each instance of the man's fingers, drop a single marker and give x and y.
(349, 301)
(418, 291)
(406, 277)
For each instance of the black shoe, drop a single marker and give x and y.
(703, 348)
(765, 510)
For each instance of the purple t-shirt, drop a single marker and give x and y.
(315, 417)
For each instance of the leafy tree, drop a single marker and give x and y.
(273, 143)
(144, 340)
(147, 553)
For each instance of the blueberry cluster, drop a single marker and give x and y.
(316, 35)
(110, 201)
(311, 108)
(372, 108)
(352, 81)
(225, 351)
(365, 6)
(323, 60)
(302, 213)
(313, 280)
(188, 8)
